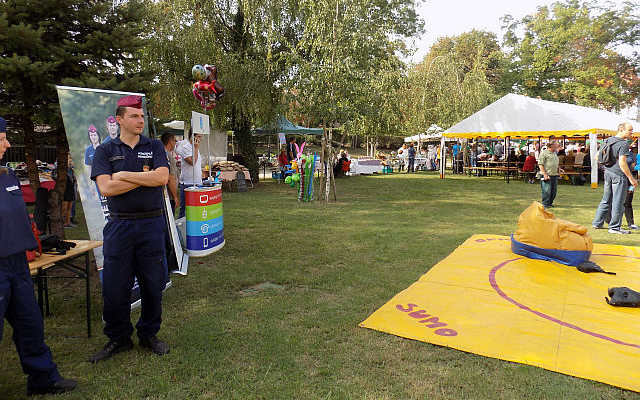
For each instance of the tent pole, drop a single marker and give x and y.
(539, 145)
(443, 160)
(508, 147)
(593, 149)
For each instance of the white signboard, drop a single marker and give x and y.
(200, 123)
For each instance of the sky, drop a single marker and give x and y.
(453, 17)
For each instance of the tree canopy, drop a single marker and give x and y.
(82, 43)
(569, 52)
(453, 81)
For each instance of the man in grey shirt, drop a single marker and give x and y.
(498, 150)
(616, 183)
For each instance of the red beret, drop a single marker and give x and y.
(130, 101)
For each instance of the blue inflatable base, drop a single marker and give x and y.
(567, 257)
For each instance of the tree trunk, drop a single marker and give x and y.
(242, 131)
(56, 218)
(329, 175)
(30, 151)
(323, 161)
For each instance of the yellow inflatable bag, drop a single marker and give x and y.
(541, 235)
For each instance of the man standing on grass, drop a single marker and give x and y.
(616, 182)
(455, 150)
(549, 169)
(291, 150)
(130, 171)
(411, 153)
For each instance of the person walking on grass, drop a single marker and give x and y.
(617, 179)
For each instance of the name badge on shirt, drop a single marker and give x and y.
(12, 188)
(116, 158)
(145, 154)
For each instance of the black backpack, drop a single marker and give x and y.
(606, 157)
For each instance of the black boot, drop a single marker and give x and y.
(61, 386)
(111, 348)
(156, 345)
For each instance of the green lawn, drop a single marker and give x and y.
(338, 263)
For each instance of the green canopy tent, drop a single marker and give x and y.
(283, 125)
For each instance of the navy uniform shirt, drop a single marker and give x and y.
(115, 156)
(16, 235)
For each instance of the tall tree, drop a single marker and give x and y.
(245, 39)
(473, 51)
(570, 52)
(345, 49)
(439, 91)
(71, 42)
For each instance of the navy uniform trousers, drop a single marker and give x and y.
(133, 248)
(19, 306)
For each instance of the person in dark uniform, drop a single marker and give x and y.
(18, 302)
(130, 171)
(291, 150)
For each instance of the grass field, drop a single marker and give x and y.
(337, 264)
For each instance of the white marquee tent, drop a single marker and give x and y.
(519, 117)
(433, 133)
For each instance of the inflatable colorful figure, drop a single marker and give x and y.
(304, 166)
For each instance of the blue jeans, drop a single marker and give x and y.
(611, 206)
(549, 189)
(183, 206)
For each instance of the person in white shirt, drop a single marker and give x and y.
(402, 156)
(189, 152)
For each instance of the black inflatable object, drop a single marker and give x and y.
(623, 297)
(590, 266)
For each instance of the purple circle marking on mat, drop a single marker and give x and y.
(494, 285)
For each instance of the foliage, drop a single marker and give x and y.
(345, 66)
(245, 39)
(569, 52)
(438, 91)
(474, 51)
(45, 43)
(70, 42)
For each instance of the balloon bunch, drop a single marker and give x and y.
(207, 89)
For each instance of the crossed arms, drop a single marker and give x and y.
(124, 181)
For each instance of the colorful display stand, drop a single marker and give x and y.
(205, 232)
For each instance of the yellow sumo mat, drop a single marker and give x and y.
(486, 300)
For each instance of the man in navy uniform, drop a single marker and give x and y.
(18, 303)
(130, 171)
